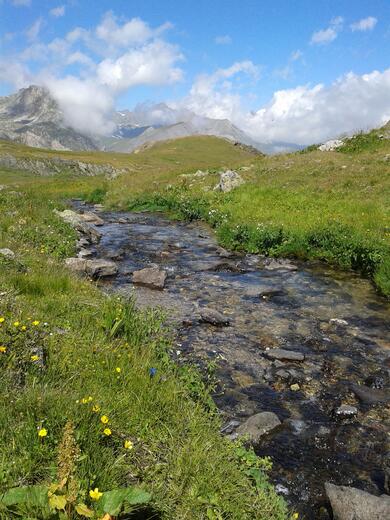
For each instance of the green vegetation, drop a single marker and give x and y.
(91, 402)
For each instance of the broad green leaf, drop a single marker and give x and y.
(113, 501)
(33, 496)
(57, 502)
(84, 510)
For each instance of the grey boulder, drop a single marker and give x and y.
(7, 253)
(93, 268)
(258, 425)
(353, 504)
(228, 181)
(151, 277)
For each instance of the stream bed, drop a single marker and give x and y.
(335, 319)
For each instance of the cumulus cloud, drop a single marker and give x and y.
(223, 40)
(213, 95)
(109, 59)
(329, 34)
(152, 64)
(57, 12)
(313, 114)
(366, 24)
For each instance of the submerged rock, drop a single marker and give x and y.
(273, 264)
(258, 425)
(284, 355)
(213, 317)
(346, 410)
(151, 277)
(353, 504)
(370, 395)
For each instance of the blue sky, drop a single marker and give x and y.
(281, 46)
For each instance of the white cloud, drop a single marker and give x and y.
(223, 40)
(329, 34)
(366, 24)
(287, 71)
(86, 105)
(313, 114)
(152, 64)
(135, 31)
(57, 12)
(21, 3)
(213, 95)
(33, 32)
(109, 59)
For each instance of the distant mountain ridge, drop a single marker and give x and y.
(31, 116)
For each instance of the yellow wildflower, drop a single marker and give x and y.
(104, 419)
(96, 408)
(3, 349)
(34, 357)
(35, 323)
(84, 400)
(24, 327)
(118, 369)
(2, 320)
(107, 431)
(95, 494)
(42, 432)
(295, 516)
(128, 445)
(90, 398)
(16, 323)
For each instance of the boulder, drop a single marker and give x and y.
(93, 268)
(213, 317)
(69, 216)
(228, 181)
(258, 425)
(84, 253)
(151, 277)
(7, 253)
(77, 265)
(354, 504)
(284, 355)
(92, 218)
(101, 268)
(331, 145)
(88, 232)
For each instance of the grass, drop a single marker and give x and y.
(72, 355)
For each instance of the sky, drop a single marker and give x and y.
(283, 70)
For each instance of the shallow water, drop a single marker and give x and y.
(289, 309)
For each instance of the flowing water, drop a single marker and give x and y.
(334, 318)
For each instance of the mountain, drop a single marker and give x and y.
(31, 116)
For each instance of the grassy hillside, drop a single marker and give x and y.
(89, 396)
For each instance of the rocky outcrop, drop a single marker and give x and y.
(228, 181)
(258, 425)
(353, 504)
(331, 145)
(56, 165)
(151, 277)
